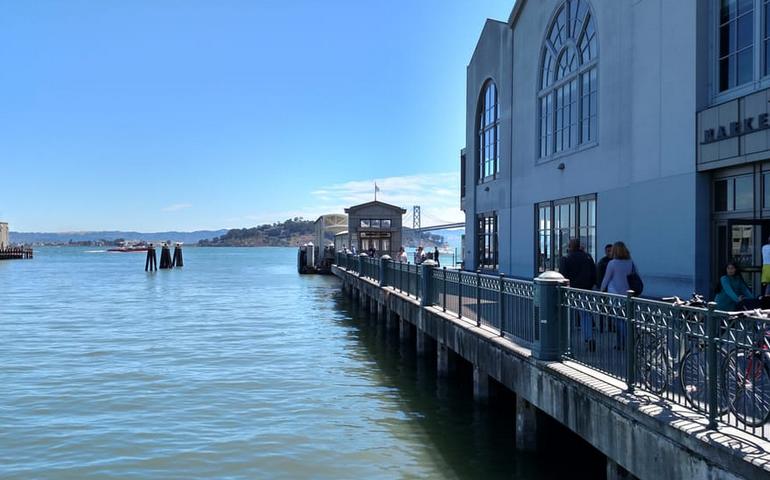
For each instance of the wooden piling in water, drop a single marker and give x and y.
(151, 264)
(165, 257)
(177, 260)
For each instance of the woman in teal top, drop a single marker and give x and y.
(733, 290)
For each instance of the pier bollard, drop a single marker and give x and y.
(426, 282)
(151, 264)
(550, 328)
(384, 270)
(165, 257)
(360, 262)
(177, 260)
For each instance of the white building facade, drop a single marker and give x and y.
(620, 120)
(4, 242)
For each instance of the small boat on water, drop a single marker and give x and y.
(127, 248)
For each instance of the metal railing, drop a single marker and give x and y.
(709, 361)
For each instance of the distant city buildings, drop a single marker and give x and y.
(645, 122)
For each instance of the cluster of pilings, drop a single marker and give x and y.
(15, 253)
(166, 261)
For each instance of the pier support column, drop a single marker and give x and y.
(442, 360)
(480, 384)
(616, 472)
(390, 322)
(404, 332)
(526, 425)
(421, 342)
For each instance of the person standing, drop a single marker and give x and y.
(419, 255)
(435, 256)
(601, 269)
(579, 268)
(402, 255)
(616, 281)
(601, 266)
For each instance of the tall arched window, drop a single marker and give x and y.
(567, 99)
(489, 142)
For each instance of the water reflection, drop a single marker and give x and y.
(467, 439)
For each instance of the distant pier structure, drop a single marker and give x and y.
(318, 256)
(9, 252)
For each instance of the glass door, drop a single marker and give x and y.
(744, 248)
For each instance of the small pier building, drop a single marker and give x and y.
(375, 224)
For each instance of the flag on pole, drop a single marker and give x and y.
(376, 189)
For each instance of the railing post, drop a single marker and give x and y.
(500, 308)
(426, 268)
(478, 299)
(630, 341)
(711, 361)
(548, 320)
(384, 260)
(443, 303)
(460, 294)
(361, 263)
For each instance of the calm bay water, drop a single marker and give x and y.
(232, 367)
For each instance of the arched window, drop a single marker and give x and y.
(489, 142)
(567, 99)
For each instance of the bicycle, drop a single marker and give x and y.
(656, 363)
(747, 372)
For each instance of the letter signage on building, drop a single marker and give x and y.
(736, 129)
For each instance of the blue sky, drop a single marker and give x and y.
(159, 115)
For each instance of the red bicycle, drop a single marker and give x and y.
(747, 373)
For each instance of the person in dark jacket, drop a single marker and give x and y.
(435, 257)
(579, 268)
(601, 267)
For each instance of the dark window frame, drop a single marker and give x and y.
(549, 229)
(488, 133)
(487, 241)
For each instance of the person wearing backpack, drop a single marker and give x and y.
(616, 281)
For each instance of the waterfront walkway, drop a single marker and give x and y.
(627, 402)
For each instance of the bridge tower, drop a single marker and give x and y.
(416, 223)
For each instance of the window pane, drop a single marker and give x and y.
(724, 40)
(745, 66)
(375, 224)
(744, 193)
(766, 190)
(365, 223)
(720, 196)
(386, 223)
(745, 34)
(728, 10)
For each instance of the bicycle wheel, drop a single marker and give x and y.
(747, 381)
(652, 362)
(693, 374)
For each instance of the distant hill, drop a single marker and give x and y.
(283, 234)
(80, 237)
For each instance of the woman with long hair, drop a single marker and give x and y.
(616, 281)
